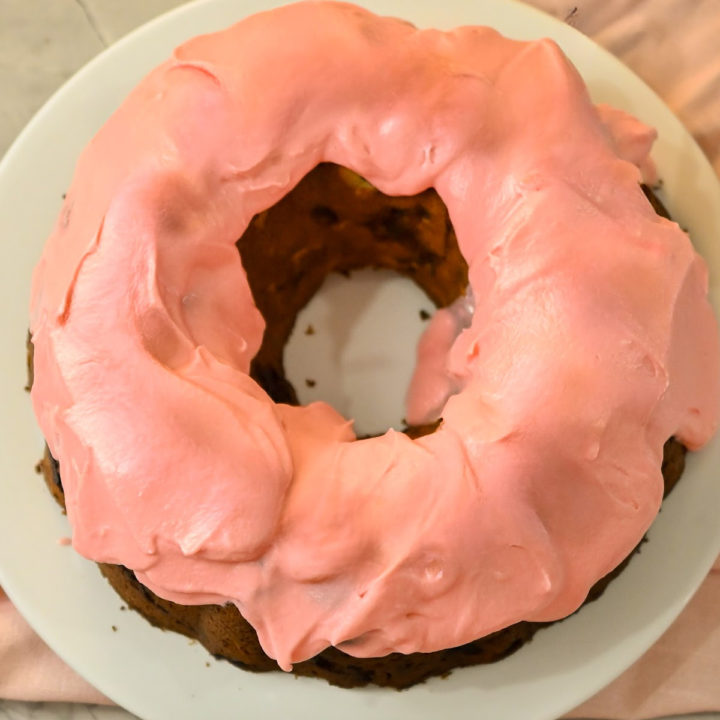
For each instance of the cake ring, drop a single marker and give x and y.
(584, 342)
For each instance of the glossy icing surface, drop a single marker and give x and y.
(590, 342)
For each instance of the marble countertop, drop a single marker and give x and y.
(60, 711)
(42, 44)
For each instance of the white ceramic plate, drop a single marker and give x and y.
(160, 675)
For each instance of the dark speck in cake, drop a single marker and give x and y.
(324, 215)
(424, 315)
(309, 382)
(309, 330)
(114, 628)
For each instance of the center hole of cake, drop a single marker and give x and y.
(346, 279)
(354, 344)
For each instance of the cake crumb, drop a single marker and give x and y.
(123, 608)
(207, 664)
(309, 330)
(114, 628)
(310, 383)
(424, 314)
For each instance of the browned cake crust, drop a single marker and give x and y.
(335, 222)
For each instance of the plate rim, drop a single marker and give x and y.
(116, 50)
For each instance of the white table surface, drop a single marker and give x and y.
(43, 43)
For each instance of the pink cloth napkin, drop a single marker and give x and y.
(673, 46)
(30, 670)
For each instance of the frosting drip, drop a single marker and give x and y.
(591, 341)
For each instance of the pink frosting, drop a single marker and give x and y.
(591, 340)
